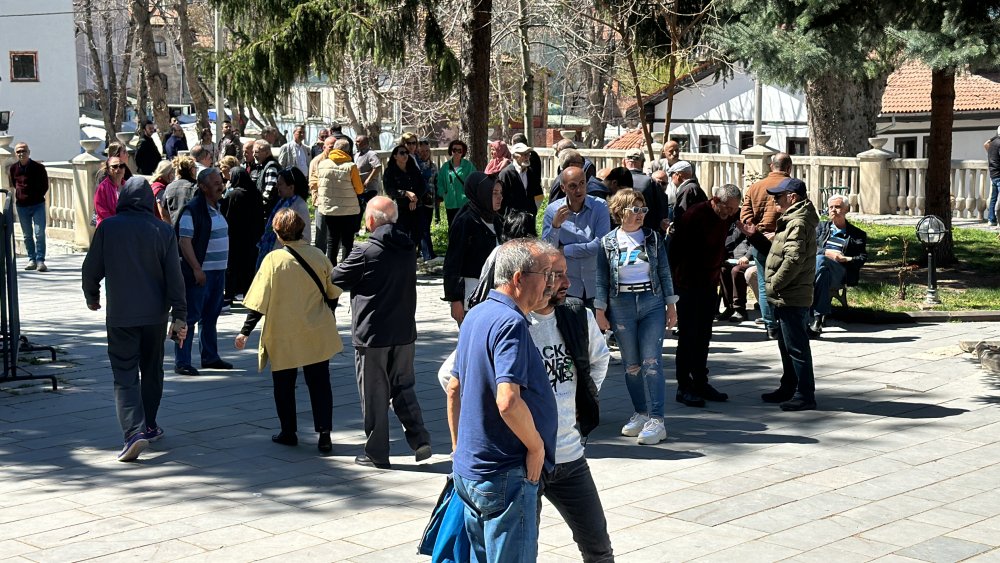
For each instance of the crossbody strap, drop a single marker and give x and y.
(309, 270)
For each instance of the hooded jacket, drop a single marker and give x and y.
(381, 275)
(338, 185)
(137, 254)
(790, 269)
(470, 238)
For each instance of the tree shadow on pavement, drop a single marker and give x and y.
(891, 408)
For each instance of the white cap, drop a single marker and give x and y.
(519, 148)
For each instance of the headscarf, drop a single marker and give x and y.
(479, 193)
(240, 178)
(501, 157)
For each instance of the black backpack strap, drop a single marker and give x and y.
(312, 274)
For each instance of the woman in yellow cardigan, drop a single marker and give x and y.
(299, 331)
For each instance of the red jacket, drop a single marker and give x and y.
(30, 182)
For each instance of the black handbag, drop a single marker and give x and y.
(331, 303)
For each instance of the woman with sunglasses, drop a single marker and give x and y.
(403, 183)
(451, 179)
(635, 289)
(106, 196)
(293, 193)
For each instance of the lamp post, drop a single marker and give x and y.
(930, 232)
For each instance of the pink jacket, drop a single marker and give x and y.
(105, 199)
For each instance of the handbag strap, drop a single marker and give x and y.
(309, 270)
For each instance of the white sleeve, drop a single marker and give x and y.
(600, 356)
(444, 374)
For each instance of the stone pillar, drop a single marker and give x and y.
(85, 168)
(6, 159)
(757, 159)
(873, 179)
(125, 137)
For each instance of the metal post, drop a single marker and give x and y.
(758, 111)
(220, 112)
(932, 298)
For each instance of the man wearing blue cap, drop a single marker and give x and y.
(790, 271)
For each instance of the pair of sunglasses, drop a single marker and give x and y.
(638, 210)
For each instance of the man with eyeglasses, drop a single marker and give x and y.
(30, 182)
(790, 271)
(176, 143)
(697, 250)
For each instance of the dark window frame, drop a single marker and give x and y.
(792, 142)
(34, 58)
(160, 47)
(683, 140)
(706, 142)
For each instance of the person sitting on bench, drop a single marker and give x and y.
(841, 250)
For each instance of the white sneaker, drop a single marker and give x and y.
(653, 432)
(634, 425)
(42, 267)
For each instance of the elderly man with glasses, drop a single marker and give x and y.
(30, 182)
(841, 250)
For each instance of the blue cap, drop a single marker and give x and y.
(789, 185)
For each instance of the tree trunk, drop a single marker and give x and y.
(938, 180)
(142, 96)
(842, 113)
(639, 100)
(154, 78)
(597, 76)
(198, 97)
(527, 79)
(475, 94)
(104, 97)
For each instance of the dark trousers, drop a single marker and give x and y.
(385, 377)
(136, 355)
(422, 231)
(796, 355)
(321, 238)
(734, 286)
(452, 213)
(696, 310)
(317, 378)
(829, 274)
(340, 230)
(570, 488)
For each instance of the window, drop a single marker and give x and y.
(160, 47)
(709, 144)
(683, 140)
(746, 140)
(906, 147)
(797, 146)
(314, 104)
(24, 66)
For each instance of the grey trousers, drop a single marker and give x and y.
(133, 351)
(385, 377)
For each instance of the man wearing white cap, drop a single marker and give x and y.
(521, 190)
(651, 190)
(688, 190)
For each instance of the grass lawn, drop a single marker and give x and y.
(972, 284)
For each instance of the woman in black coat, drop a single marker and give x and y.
(403, 182)
(471, 238)
(242, 207)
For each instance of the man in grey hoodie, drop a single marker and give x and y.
(137, 254)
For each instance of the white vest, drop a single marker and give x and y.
(335, 193)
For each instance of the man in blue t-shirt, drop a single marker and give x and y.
(501, 409)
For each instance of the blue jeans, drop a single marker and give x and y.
(638, 320)
(204, 304)
(991, 211)
(796, 355)
(765, 308)
(32, 219)
(829, 273)
(501, 516)
(570, 488)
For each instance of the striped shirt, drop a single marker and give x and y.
(217, 255)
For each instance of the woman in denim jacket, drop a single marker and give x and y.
(634, 287)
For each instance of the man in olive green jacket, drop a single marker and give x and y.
(790, 271)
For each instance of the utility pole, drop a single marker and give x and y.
(220, 112)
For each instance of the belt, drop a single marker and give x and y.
(635, 287)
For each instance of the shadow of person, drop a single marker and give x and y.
(895, 409)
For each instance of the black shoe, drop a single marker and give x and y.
(690, 399)
(185, 370)
(710, 393)
(799, 404)
(739, 316)
(777, 396)
(324, 445)
(772, 334)
(217, 364)
(816, 326)
(423, 452)
(725, 315)
(366, 461)
(285, 439)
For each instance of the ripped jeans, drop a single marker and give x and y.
(638, 320)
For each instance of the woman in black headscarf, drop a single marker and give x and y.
(474, 234)
(242, 207)
(403, 183)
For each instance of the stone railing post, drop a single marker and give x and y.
(6, 159)
(757, 159)
(873, 178)
(125, 137)
(85, 167)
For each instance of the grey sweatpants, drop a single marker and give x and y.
(385, 377)
(133, 351)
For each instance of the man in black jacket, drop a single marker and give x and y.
(841, 250)
(381, 276)
(993, 157)
(137, 254)
(147, 156)
(522, 187)
(651, 190)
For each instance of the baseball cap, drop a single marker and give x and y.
(680, 166)
(634, 154)
(789, 185)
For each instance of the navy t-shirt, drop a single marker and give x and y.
(494, 346)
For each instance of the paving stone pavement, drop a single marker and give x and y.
(900, 462)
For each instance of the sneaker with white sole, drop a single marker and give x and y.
(653, 432)
(153, 433)
(133, 447)
(634, 425)
(42, 267)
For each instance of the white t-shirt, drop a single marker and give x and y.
(633, 264)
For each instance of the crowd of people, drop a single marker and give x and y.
(629, 252)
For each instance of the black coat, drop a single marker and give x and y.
(147, 156)
(516, 195)
(656, 199)
(470, 243)
(395, 182)
(856, 248)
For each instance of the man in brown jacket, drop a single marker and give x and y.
(758, 208)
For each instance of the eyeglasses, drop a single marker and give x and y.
(637, 210)
(457, 150)
(549, 276)
(116, 166)
(402, 153)
(408, 143)
(22, 151)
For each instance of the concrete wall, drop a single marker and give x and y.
(44, 114)
(966, 140)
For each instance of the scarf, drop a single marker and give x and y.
(267, 241)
